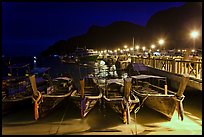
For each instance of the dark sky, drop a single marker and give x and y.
(28, 27)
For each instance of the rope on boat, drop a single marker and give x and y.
(180, 106)
(137, 109)
(36, 104)
(126, 107)
(180, 110)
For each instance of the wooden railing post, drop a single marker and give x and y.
(173, 66)
(196, 73)
(153, 62)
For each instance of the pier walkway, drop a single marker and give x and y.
(173, 65)
(174, 68)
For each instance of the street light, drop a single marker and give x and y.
(152, 46)
(161, 42)
(194, 35)
(137, 47)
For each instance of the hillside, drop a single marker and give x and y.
(174, 25)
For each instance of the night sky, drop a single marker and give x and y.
(29, 28)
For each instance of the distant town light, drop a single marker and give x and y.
(137, 47)
(125, 46)
(143, 48)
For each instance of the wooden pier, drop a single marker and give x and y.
(174, 68)
(171, 67)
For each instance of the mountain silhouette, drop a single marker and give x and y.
(173, 24)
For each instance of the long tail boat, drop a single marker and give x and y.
(16, 88)
(88, 95)
(152, 91)
(118, 94)
(46, 101)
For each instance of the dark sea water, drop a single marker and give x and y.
(57, 68)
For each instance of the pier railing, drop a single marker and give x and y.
(173, 65)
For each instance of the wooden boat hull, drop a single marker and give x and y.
(16, 88)
(52, 100)
(153, 92)
(88, 97)
(11, 105)
(45, 102)
(122, 106)
(164, 104)
(49, 104)
(85, 105)
(19, 96)
(119, 97)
